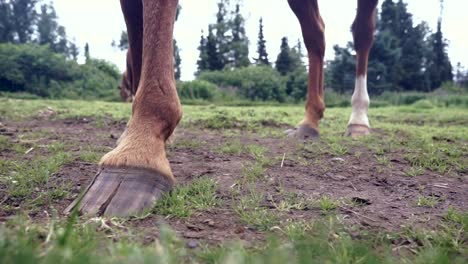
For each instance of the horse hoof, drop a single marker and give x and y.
(121, 191)
(303, 132)
(355, 131)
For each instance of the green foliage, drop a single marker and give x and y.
(198, 89)
(288, 60)
(262, 58)
(181, 202)
(404, 56)
(257, 83)
(38, 70)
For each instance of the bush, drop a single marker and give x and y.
(37, 70)
(257, 83)
(198, 89)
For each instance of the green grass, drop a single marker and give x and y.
(184, 200)
(422, 138)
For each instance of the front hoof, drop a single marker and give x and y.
(303, 132)
(355, 131)
(120, 191)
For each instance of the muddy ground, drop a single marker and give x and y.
(370, 194)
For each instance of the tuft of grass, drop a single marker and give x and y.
(326, 204)
(253, 171)
(90, 156)
(414, 171)
(233, 147)
(251, 212)
(27, 176)
(184, 200)
(430, 201)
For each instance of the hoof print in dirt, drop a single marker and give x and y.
(121, 192)
(303, 132)
(355, 131)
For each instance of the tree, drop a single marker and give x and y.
(288, 60)
(239, 46)
(222, 38)
(74, 51)
(177, 61)
(284, 61)
(47, 26)
(214, 57)
(202, 62)
(262, 58)
(6, 22)
(439, 66)
(123, 42)
(61, 45)
(24, 17)
(86, 52)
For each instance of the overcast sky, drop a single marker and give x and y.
(98, 22)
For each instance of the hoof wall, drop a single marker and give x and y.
(121, 192)
(303, 132)
(355, 131)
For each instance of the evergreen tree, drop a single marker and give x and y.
(177, 62)
(439, 66)
(61, 46)
(177, 58)
(123, 42)
(74, 51)
(6, 22)
(86, 53)
(202, 62)
(47, 26)
(262, 58)
(222, 38)
(24, 18)
(239, 46)
(214, 58)
(284, 62)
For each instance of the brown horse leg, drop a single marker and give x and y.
(313, 29)
(363, 34)
(135, 174)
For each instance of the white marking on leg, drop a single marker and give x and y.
(360, 103)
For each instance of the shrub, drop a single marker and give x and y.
(198, 89)
(257, 83)
(37, 70)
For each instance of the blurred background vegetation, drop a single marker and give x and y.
(409, 62)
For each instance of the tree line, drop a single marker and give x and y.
(405, 57)
(37, 57)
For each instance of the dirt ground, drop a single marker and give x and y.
(371, 195)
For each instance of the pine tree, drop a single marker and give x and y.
(86, 53)
(177, 62)
(61, 46)
(24, 17)
(440, 68)
(239, 46)
(202, 62)
(214, 58)
(222, 38)
(284, 63)
(262, 58)
(74, 51)
(177, 58)
(47, 26)
(6, 23)
(123, 41)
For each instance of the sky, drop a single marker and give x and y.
(99, 22)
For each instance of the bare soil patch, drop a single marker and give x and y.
(370, 195)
